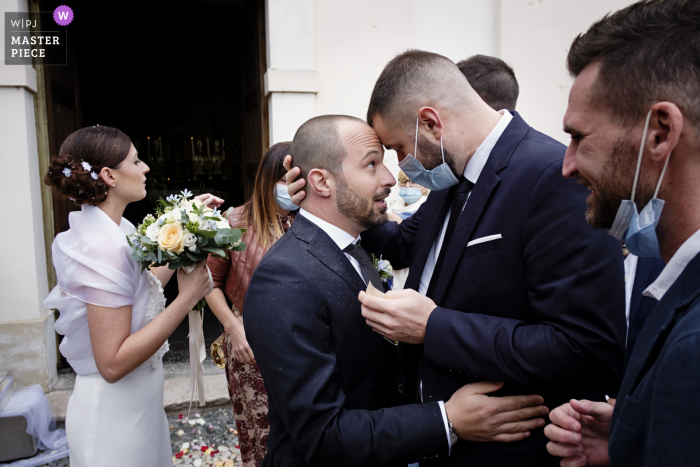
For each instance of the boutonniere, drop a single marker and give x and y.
(386, 272)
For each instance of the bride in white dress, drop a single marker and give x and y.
(112, 315)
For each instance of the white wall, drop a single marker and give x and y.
(535, 38)
(457, 29)
(291, 81)
(27, 338)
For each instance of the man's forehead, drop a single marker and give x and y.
(581, 105)
(356, 134)
(386, 136)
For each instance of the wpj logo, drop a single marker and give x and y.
(37, 38)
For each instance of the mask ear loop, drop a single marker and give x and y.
(441, 151)
(658, 185)
(415, 148)
(639, 158)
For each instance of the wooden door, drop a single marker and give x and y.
(63, 118)
(255, 120)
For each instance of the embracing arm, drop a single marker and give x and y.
(394, 241)
(118, 352)
(575, 281)
(289, 329)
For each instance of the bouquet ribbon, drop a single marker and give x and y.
(197, 348)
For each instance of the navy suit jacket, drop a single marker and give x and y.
(648, 269)
(655, 421)
(541, 309)
(330, 379)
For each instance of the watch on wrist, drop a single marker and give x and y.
(453, 435)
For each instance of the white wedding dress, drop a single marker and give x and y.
(120, 424)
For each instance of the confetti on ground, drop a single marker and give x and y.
(219, 440)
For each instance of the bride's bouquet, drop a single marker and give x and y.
(182, 233)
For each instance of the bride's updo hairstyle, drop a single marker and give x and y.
(74, 172)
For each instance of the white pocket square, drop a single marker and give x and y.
(484, 239)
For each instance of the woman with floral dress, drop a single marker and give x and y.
(266, 217)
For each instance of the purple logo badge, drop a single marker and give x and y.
(63, 15)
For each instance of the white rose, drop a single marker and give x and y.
(385, 266)
(152, 232)
(223, 224)
(166, 218)
(190, 240)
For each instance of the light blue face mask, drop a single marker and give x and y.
(640, 239)
(439, 178)
(409, 195)
(283, 200)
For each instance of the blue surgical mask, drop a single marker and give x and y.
(283, 200)
(640, 238)
(409, 195)
(439, 178)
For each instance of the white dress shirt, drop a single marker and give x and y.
(338, 235)
(343, 239)
(675, 267)
(471, 172)
(630, 273)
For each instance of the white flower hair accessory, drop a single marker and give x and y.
(92, 174)
(67, 172)
(86, 166)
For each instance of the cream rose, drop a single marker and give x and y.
(171, 237)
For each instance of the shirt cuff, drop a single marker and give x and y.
(447, 427)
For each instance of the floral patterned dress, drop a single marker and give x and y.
(245, 384)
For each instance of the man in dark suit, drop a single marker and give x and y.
(336, 388)
(506, 282)
(634, 117)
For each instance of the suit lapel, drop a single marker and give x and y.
(324, 249)
(428, 231)
(641, 278)
(487, 182)
(476, 203)
(681, 294)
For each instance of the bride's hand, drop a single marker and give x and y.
(194, 285)
(210, 200)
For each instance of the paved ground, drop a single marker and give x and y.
(207, 438)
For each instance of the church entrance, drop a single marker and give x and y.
(183, 79)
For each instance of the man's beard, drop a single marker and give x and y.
(354, 206)
(431, 157)
(615, 185)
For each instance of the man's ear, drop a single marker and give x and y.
(430, 120)
(321, 182)
(665, 128)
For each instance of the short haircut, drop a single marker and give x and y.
(492, 79)
(413, 79)
(648, 52)
(317, 144)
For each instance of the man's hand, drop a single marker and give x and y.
(296, 194)
(403, 319)
(579, 433)
(478, 417)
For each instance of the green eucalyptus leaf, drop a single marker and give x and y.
(217, 251)
(207, 233)
(148, 241)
